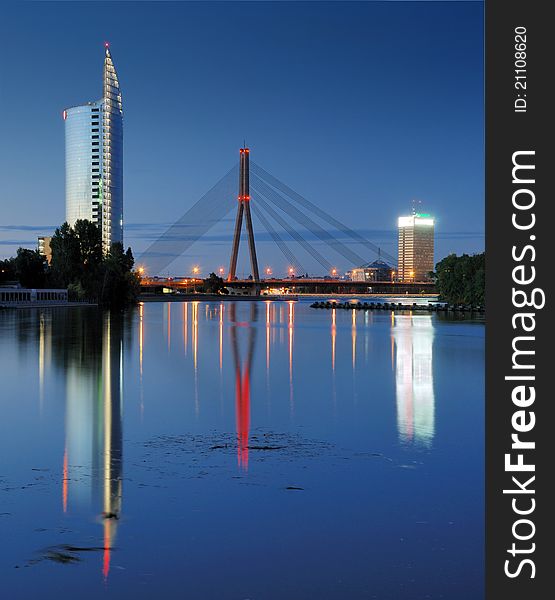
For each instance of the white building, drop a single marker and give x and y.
(94, 159)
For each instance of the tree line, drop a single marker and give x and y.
(461, 279)
(78, 264)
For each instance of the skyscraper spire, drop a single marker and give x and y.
(112, 189)
(111, 91)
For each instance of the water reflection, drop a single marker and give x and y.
(354, 337)
(333, 337)
(45, 353)
(243, 378)
(92, 363)
(361, 384)
(414, 385)
(290, 330)
(92, 463)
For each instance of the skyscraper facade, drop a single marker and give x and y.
(416, 247)
(94, 159)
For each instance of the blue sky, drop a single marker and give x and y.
(360, 107)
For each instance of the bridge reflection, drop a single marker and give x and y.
(91, 459)
(242, 378)
(411, 351)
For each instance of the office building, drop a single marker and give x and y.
(416, 247)
(94, 159)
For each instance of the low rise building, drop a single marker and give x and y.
(376, 271)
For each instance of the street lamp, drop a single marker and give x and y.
(196, 271)
(268, 271)
(334, 272)
(221, 271)
(291, 272)
(412, 276)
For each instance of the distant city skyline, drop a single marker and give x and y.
(361, 107)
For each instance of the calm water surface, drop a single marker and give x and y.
(260, 450)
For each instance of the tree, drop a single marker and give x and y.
(214, 284)
(461, 279)
(89, 240)
(30, 268)
(120, 285)
(7, 270)
(77, 255)
(79, 264)
(65, 263)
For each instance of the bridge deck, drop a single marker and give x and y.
(304, 285)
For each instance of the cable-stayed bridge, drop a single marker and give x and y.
(292, 222)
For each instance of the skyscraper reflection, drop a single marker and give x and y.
(93, 452)
(413, 337)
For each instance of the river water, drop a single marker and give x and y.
(241, 450)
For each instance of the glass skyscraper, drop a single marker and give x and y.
(94, 159)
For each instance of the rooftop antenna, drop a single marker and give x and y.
(414, 205)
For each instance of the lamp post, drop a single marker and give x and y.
(196, 271)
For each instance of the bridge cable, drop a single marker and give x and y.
(199, 218)
(285, 250)
(306, 222)
(269, 178)
(293, 233)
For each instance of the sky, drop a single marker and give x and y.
(361, 107)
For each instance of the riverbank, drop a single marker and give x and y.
(283, 297)
(214, 297)
(45, 305)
